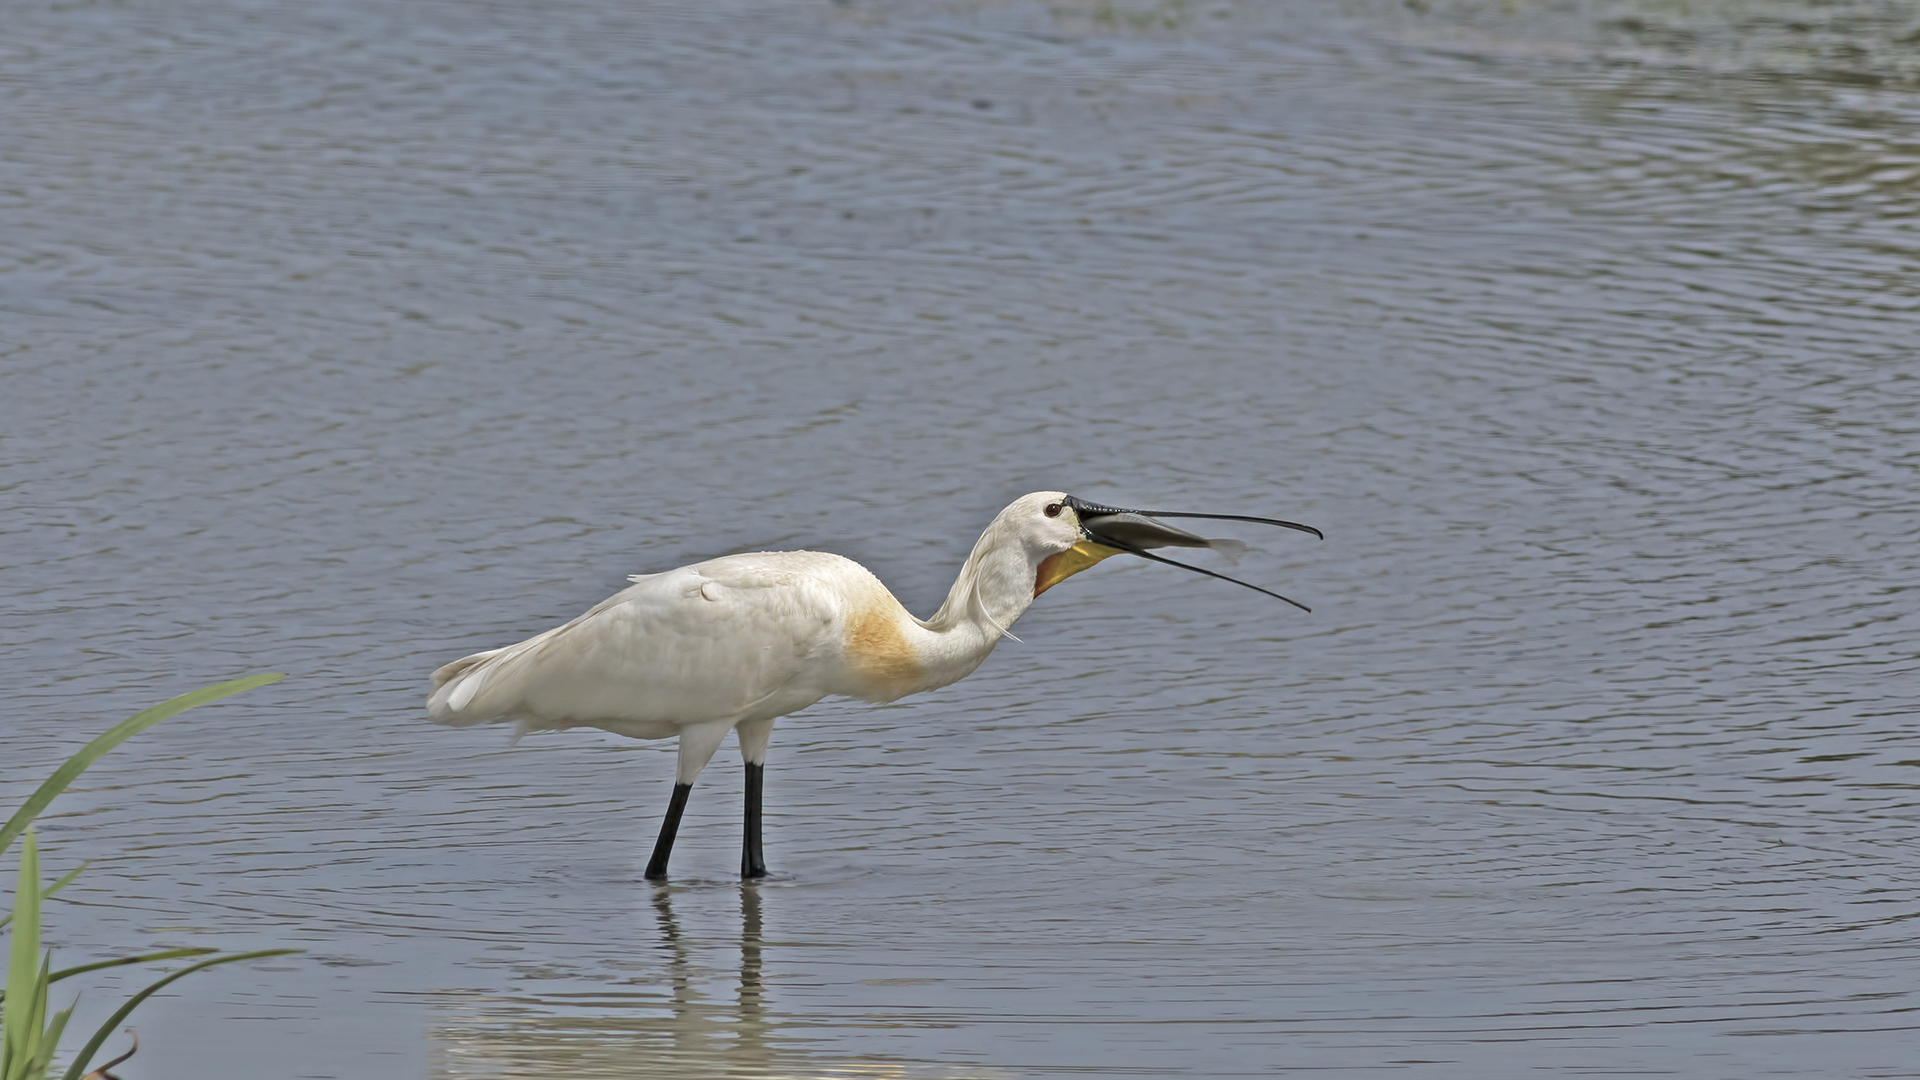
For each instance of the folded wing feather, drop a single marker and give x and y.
(737, 637)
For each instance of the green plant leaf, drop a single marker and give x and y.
(65, 880)
(50, 1042)
(19, 1028)
(144, 958)
(114, 736)
(79, 1067)
(51, 889)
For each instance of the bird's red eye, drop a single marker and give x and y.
(1053, 509)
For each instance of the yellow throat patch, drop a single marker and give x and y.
(1057, 568)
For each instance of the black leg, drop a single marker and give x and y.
(752, 863)
(663, 847)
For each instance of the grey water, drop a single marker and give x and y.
(343, 338)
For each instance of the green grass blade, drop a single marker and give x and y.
(19, 1034)
(21, 1048)
(79, 1067)
(56, 887)
(145, 958)
(114, 736)
(65, 880)
(51, 889)
(50, 1043)
(27, 1057)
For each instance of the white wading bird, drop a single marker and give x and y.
(733, 643)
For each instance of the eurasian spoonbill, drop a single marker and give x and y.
(733, 643)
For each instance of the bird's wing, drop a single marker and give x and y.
(733, 638)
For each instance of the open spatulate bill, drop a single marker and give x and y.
(1135, 531)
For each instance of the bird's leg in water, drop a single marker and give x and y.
(754, 735)
(752, 863)
(663, 847)
(697, 744)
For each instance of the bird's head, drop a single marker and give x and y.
(1065, 534)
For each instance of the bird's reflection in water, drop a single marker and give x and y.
(683, 1025)
(752, 1005)
(701, 1028)
(690, 1026)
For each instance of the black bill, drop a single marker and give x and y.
(1135, 531)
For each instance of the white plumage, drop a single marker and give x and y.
(733, 643)
(746, 637)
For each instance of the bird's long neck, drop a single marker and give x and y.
(994, 589)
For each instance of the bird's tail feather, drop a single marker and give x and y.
(446, 673)
(456, 684)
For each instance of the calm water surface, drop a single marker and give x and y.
(345, 338)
